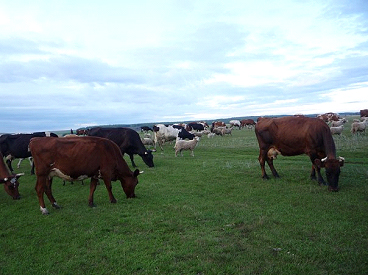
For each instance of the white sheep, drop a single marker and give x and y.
(181, 145)
(211, 135)
(359, 126)
(148, 141)
(337, 130)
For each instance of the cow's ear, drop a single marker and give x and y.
(136, 173)
(319, 163)
(341, 161)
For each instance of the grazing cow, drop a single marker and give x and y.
(16, 146)
(292, 136)
(249, 123)
(235, 123)
(80, 158)
(10, 181)
(128, 141)
(364, 113)
(168, 133)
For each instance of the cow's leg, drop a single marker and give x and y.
(131, 156)
(315, 168)
(320, 179)
(92, 189)
(262, 162)
(9, 161)
(19, 162)
(108, 185)
(33, 168)
(48, 192)
(40, 189)
(273, 170)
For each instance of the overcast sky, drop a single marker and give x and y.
(70, 64)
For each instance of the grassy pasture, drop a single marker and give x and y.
(211, 214)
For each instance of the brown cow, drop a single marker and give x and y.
(290, 136)
(10, 181)
(247, 122)
(364, 113)
(77, 158)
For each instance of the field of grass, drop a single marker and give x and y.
(208, 214)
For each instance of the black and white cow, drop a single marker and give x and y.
(16, 146)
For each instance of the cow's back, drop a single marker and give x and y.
(74, 155)
(293, 135)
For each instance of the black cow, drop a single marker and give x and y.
(183, 134)
(146, 129)
(128, 141)
(195, 126)
(16, 146)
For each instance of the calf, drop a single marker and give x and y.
(79, 158)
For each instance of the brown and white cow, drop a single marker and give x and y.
(290, 136)
(77, 158)
(10, 181)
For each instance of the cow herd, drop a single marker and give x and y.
(97, 153)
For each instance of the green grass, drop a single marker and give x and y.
(211, 214)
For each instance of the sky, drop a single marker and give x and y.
(71, 64)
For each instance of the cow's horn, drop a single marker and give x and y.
(324, 159)
(341, 159)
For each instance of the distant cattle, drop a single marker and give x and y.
(249, 123)
(146, 129)
(194, 126)
(16, 146)
(10, 181)
(235, 123)
(216, 124)
(165, 133)
(79, 158)
(81, 132)
(364, 113)
(327, 117)
(290, 136)
(128, 141)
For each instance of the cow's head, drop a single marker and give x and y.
(332, 167)
(129, 183)
(148, 158)
(11, 185)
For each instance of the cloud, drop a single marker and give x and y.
(117, 62)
